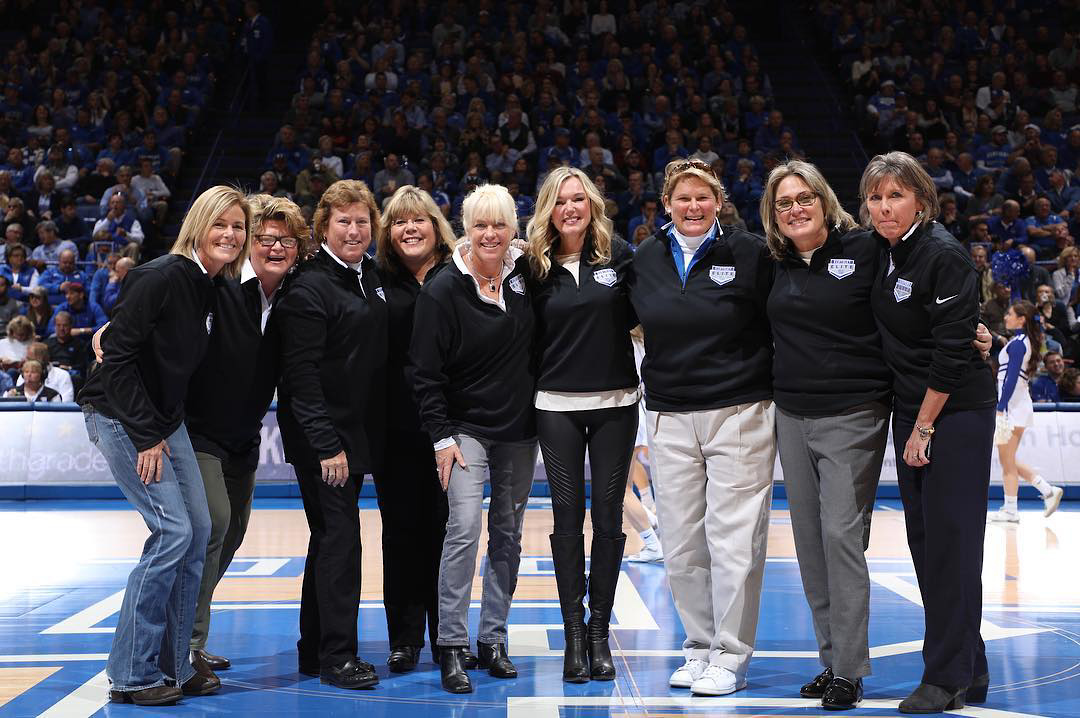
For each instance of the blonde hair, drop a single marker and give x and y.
(410, 201)
(266, 207)
(680, 169)
(204, 211)
(1063, 258)
(341, 194)
(489, 201)
(909, 174)
(835, 216)
(20, 322)
(541, 233)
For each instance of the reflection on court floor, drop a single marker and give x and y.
(64, 567)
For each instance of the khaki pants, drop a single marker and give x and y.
(712, 471)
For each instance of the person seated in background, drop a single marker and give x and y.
(86, 316)
(44, 201)
(33, 389)
(1069, 386)
(48, 252)
(136, 200)
(100, 277)
(92, 186)
(20, 335)
(13, 234)
(1007, 228)
(1037, 275)
(69, 225)
(1055, 318)
(116, 283)
(120, 223)
(1044, 388)
(69, 352)
(153, 188)
(9, 306)
(53, 279)
(57, 379)
(992, 312)
(1047, 232)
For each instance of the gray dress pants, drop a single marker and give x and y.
(831, 469)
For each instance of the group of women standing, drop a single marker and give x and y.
(440, 365)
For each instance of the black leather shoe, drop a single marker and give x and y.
(350, 675)
(452, 670)
(403, 659)
(604, 567)
(156, 696)
(928, 698)
(200, 685)
(576, 656)
(976, 692)
(817, 687)
(842, 694)
(493, 657)
(216, 663)
(470, 659)
(601, 664)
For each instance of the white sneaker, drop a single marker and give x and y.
(716, 681)
(688, 673)
(1052, 501)
(648, 555)
(1003, 516)
(654, 523)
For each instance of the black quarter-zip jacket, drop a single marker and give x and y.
(157, 337)
(332, 395)
(583, 327)
(927, 309)
(828, 350)
(708, 344)
(233, 387)
(470, 363)
(402, 289)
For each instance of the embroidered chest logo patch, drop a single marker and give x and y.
(607, 277)
(381, 293)
(209, 322)
(721, 273)
(841, 268)
(902, 290)
(517, 284)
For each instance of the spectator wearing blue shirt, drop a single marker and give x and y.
(100, 278)
(86, 317)
(256, 43)
(48, 252)
(297, 157)
(1063, 198)
(20, 275)
(119, 223)
(54, 279)
(965, 174)
(1007, 227)
(115, 286)
(767, 138)
(1046, 230)
(116, 151)
(650, 216)
(22, 174)
(994, 156)
(559, 153)
(672, 149)
(1044, 388)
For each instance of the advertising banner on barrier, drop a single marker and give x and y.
(51, 448)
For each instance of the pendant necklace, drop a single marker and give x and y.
(490, 280)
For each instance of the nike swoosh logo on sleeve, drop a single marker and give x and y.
(939, 300)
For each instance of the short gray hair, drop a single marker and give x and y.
(909, 174)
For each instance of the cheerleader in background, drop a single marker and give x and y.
(641, 513)
(1016, 362)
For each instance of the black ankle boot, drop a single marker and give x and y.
(452, 670)
(606, 563)
(494, 658)
(568, 554)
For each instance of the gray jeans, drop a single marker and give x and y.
(831, 469)
(510, 466)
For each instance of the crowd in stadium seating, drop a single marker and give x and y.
(450, 97)
(988, 103)
(99, 101)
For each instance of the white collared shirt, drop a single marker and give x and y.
(246, 275)
(509, 258)
(195, 256)
(911, 231)
(357, 267)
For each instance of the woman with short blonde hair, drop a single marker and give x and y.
(586, 400)
(134, 411)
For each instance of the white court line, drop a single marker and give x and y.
(53, 657)
(259, 566)
(548, 706)
(84, 701)
(86, 620)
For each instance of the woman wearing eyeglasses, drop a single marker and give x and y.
(833, 392)
(700, 291)
(231, 391)
(413, 245)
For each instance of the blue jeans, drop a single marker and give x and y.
(154, 628)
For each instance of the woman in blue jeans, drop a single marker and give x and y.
(134, 410)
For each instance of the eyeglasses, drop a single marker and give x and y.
(694, 164)
(805, 199)
(269, 240)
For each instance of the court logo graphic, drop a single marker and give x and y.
(902, 290)
(722, 273)
(841, 268)
(607, 277)
(517, 284)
